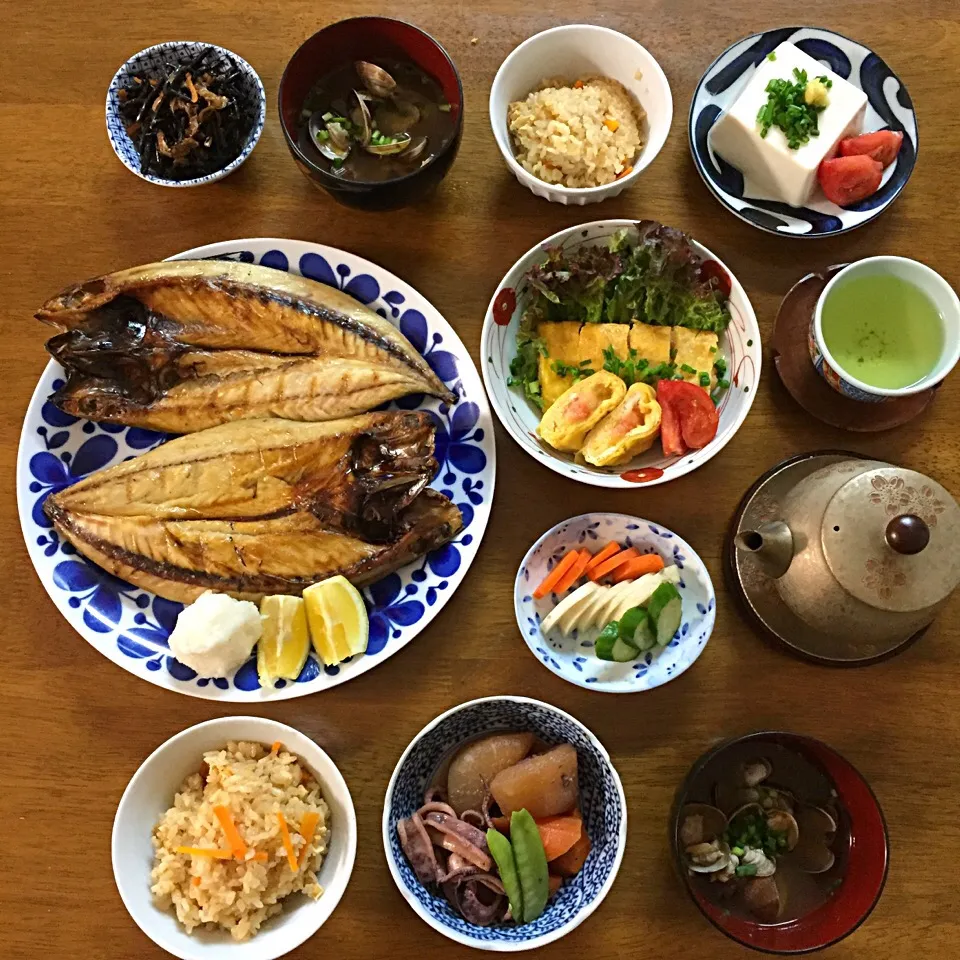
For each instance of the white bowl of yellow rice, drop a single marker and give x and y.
(579, 112)
(231, 824)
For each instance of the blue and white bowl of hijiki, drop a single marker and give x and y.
(417, 790)
(567, 644)
(210, 109)
(869, 99)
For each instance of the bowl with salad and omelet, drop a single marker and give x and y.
(614, 603)
(620, 353)
(504, 823)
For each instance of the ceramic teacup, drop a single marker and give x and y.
(923, 278)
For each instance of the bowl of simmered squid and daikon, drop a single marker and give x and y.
(504, 823)
(780, 842)
(372, 112)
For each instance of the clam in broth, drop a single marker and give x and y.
(768, 844)
(371, 122)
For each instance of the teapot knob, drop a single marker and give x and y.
(907, 534)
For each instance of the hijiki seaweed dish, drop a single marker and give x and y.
(189, 123)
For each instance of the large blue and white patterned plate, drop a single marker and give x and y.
(572, 657)
(889, 108)
(130, 626)
(602, 803)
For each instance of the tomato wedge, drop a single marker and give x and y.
(847, 180)
(882, 146)
(670, 438)
(693, 409)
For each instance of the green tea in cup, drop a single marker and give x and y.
(883, 330)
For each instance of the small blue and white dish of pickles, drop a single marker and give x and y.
(602, 805)
(573, 657)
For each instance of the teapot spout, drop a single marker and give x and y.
(771, 545)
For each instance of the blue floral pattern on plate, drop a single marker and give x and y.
(602, 803)
(130, 626)
(889, 108)
(572, 657)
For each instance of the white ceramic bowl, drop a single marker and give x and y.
(152, 63)
(151, 791)
(572, 658)
(740, 345)
(601, 800)
(572, 51)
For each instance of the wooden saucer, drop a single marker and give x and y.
(791, 357)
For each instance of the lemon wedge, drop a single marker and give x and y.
(285, 640)
(337, 617)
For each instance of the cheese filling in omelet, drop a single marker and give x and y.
(580, 408)
(628, 430)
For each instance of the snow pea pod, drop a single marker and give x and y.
(531, 864)
(502, 852)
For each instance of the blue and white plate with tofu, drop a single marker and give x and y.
(635, 617)
(803, 132)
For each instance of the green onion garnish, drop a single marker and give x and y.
(787, 109)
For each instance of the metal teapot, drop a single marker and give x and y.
(862, 548)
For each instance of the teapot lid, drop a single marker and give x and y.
(891, 537)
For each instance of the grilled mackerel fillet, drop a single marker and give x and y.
(184, 345)
(263, 506)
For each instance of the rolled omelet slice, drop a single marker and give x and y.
(560, 340)
(579, 409)
(626, 431)
(697, 350)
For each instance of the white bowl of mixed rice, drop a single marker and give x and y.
(579, 112)
(231, 824)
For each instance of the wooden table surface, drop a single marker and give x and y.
(78, 726)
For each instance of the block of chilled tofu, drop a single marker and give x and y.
(651, 343)
(697, 350)
(771, 169)
(596, 337)
(562, 343)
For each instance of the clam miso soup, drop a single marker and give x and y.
(762, 834)
(375, 121)
(882, 330)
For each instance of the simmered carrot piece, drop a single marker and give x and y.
(559, 834)
(610, 550)
(555, 883)
(308, 827)
(231, 832)
(570, 578)
(287, 842)
(206, 852)
(611, 124)
(626, 171)
(556, 574)
(608, 566)
(571, 863)
(648, 563)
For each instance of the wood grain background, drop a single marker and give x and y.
(77, 726)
